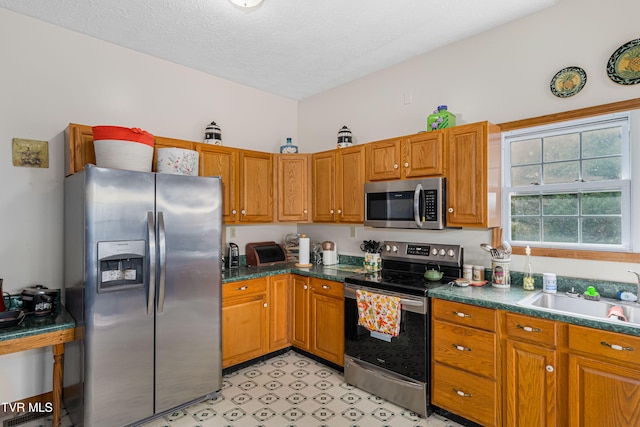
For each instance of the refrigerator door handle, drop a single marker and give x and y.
(162, 247)
(151, 236)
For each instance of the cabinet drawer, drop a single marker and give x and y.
(327, 287)
(465, 314)
(465, 394)
(245, 287)
(465, 348)
(607, 345)
(533, 329)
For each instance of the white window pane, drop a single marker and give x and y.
(602, 142)
(560, 204)
(525, 205)
(560, 229)
(525, 229)
(602, 203)
(604, 169)
(563, 172)
(562, 147)
(526, 152)
(602, 230)
(525, 175)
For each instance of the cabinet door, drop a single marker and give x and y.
(324, 185)
(292, 183)
(473, 175)
(222, 161)
(602, 394)
(162, 142)
(327, 320)
(279, 295)
(300, 312)
(383, 160)
(350, 185)
(256, 186)
(80, 149)
(530, 385)
(423, 155)
(244, 328)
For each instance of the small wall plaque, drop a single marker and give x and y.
(30, 153)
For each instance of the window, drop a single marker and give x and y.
(567, 185)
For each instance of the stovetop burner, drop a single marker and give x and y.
(404, 264)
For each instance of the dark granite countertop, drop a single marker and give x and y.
(335, 272)
(506, 299)
(35, 325)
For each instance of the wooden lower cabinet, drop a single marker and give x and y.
(327, 320)
(245, 320)
(465, 373)
(604, 378)
(267, 314)
(531, 371)
(318, 317)
(279, 312)
(300, 312)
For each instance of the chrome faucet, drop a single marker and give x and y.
(638, 291)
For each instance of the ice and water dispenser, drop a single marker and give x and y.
(121, 265)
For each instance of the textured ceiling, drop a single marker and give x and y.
(291, 48)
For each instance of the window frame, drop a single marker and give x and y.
(615, 107)
(571, 127)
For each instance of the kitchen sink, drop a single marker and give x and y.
(562, 303)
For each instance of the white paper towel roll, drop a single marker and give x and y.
(303, 254)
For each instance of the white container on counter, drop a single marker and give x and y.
(549, 283)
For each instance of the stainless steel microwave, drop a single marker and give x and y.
(418, 203)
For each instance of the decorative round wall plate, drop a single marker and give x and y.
(568, 81)
(624, 65)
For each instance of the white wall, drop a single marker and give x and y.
(500, 76)
(51, 77)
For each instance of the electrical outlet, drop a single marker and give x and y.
(232, 232)
(353, 231)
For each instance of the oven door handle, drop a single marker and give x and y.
(411, 302)
(417, 196)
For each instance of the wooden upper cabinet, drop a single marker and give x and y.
(383, 159)
(338, 185)
(324, 186)
(216, 160)
(350, 184)
(423, 155)
(256, 186)
(292, 176)
(79, 150)
(474, 168)
(409, 157)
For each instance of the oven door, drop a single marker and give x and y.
(407, 354)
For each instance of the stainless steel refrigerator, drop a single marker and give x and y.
(142, 280)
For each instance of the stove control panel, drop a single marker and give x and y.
(438, 253)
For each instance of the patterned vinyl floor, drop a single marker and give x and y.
(289, 390)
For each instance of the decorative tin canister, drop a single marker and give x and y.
(440, 119)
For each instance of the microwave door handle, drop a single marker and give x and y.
(417, 196)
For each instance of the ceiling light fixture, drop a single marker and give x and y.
(247, 4)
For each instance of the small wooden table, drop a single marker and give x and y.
(42, 332)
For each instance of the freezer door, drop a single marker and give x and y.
(188, 346)
(119, 328)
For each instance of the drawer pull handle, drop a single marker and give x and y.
(461, 348)
(242, 288)
(326, 287)
(461, 393)
(616, 346)
(460, 314)
(529, 328)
